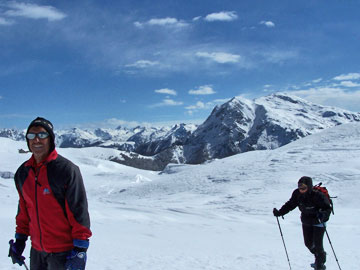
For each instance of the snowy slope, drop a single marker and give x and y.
(212, 216)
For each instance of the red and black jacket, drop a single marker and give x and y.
(53, 207)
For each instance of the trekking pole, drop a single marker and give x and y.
(328, 237)
(26, 266)
(277, 218)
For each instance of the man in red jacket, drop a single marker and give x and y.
(53, 207)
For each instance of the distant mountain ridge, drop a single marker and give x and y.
(241, 125)
(237, 126)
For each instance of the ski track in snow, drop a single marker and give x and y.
(214, 216)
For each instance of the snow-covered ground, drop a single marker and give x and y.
(212, 216)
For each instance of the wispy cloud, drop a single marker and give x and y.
(221, 16)
(347, 80)
(332, 96)
(345, 94)
(107, 123)
(143, 64)
(199, 105)
(166, 91)
(269, 24)
(278, 56)
(192, 109)
(167, 22)
(220, 57)
(349, 84)
(349, 76)
(4, 21)
(317, 80)
(202, 90)
(33, 11)
(167, 102)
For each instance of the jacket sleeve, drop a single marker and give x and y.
(76, 205)
(324, 206)
(22, 216)
(290, 205)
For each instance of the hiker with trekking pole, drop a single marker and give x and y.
(315, 210)
(52, 209)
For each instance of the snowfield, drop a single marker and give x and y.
(212, 216)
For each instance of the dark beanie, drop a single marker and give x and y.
(48, 126)
(306, 180)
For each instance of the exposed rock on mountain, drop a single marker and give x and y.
(239, 125)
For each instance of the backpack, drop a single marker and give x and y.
(324, 190)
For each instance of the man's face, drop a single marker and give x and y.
(303, 188)
(39, 147)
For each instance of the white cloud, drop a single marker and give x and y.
(221, 16)
(317, 80)
(349, 76)
(269, 24)
(107, 123)
(114, 123)
(198, 105)
(202, 90)
(172, 22)
(138, 24)
(4, 21)
(196, 18)
(220, 57)
(349, 84)
(34, 11)
(190, 110)
(332, 96)
(166, 91)
(167, 102)
(143, 64)
(274, 56)
(170, 102)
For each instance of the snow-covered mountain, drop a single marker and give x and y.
(212, 216)
(76, 137)
(163, 139)
(237, 126)
(16, 135)
(241, 125)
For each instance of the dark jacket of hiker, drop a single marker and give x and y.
(313, 205)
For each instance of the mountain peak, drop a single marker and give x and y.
(236, 126)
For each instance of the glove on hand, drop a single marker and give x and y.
(76, 260)
(15, 251)
(276, 213)
(321, 215)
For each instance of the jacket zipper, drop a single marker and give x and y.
(37, 206)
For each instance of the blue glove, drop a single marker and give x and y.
(76, 260)
(15, 251)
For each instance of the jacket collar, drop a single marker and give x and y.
(32, 163)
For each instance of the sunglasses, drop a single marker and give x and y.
(40, 135)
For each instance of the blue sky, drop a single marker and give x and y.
(106, 63)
